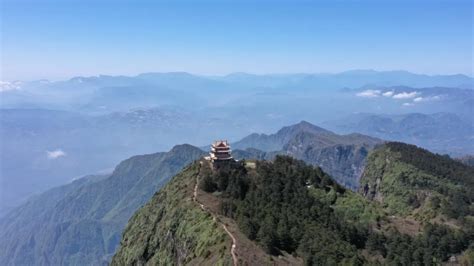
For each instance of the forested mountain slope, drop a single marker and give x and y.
(409, 180)
(292, 212)
(81, 223)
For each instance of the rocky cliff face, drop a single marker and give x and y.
(344, 162)
(342, 156)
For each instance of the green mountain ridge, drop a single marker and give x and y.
(185, 231)
(412, 181)
(81, 223)
(297, 212)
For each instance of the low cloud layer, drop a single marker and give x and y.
(405, 95)
(388, 94)
(8, 86)
(55, 154)
(369, 93)
(414, 97)
(425, 99)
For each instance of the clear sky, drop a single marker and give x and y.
(60, 39)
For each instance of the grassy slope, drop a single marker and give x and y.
(408, 187)
(172, 228)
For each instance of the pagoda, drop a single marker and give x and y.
(220, 151)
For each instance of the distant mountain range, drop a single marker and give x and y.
(47, 148)
(118, 93)
(445, 133)
(62, 129)
(351, 79)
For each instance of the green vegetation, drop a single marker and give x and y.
(435, 245)
(172, 229)
(81, 223)
(286, 205)
(277, 205)
(435, 190)
(353, 208)
(405, 178)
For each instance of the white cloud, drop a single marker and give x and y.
(369, 93)
(425, 99)
(388, 93)
(418, 99)
(8, 86)
(405, 95)
(55, 154)
(407, 104)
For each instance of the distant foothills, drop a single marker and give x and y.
(383, 202)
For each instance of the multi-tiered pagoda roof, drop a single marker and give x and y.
(220, 151)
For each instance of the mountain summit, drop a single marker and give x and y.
(342, 156)
(275, 142)
(286, 212)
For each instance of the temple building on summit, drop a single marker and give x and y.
(220, 151)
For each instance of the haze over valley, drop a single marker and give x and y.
(58, 131)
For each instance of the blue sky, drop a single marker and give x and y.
(60, 39)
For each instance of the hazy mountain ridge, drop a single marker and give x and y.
(98, 211)
(351, 78)
(110, 93)
(89, 124)
(83, 144)
(342, 156)
(439, 132)
(276, 142)
(44, 230)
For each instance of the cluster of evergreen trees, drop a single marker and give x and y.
(446, 170)
(273, 205)
(435, 245)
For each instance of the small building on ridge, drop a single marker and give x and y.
(220, 151)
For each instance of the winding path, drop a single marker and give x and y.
(234, 241)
